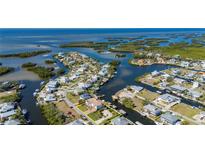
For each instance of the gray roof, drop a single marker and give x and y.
(136, 88)
(178, 87)
(169, 98)
(77, 122)
(12, 122)
(8, 114)
(153, 109)
(168, 117)
(120, 121)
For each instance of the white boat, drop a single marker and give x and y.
(42, 82)
(138, 123)
(159, 92)
(37, 90)
(22, 86)
(34, 94)
(24, 111)
(122, 112)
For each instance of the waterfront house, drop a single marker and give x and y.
(136, 89)
(155, 73)
(184, 64)
(63, 79)
(178, 80)
(7, 114)
(50, 98)
(167, 98)
(178, 88)
(85, 96)
(5, 107)
(125, 94)
(77, 122)
(120, 121)
(152, 109)
(195, 85)
(176, 71)
(83, 85)
(194, 94)
(52, 84)
(94, 103)
(12, 122)
(169, 118)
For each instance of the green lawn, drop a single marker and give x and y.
(185, 110)
(128, 103)
(83, 107)
(73, 98)
(96, 115)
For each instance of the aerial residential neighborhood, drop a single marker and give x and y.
(104, 78)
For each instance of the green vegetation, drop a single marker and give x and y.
(139, 45)
(49, 61)
(96, 115)
(114, 63)
(8, 85)
(128, 103)
(52, 114)
(43, 72)
(11, 98)
(29, 64)
(5, 70)
(95, 45)
(25, 54)
(83, 107)
(60, 72)
(73, 98)
(185, 110)
(19, 116)
(184, 50)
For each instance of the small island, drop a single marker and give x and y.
(41, 71)
(49, 61)
(25, 54)
(5, 70)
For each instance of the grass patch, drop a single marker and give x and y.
(185, 110)
(14, 97)
(73, 98)
(96, 115)
(128, 103)
(83, 107)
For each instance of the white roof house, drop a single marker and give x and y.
(155, 73)
(195, 85)
(6, 107)
(169, 98)
(152, 109)
(7, 114)
(178, 80)
(50, 98)
(178, 88)
(120, 121)
(12, 122)
(195, 94)
(52, 84)
(136, 88)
